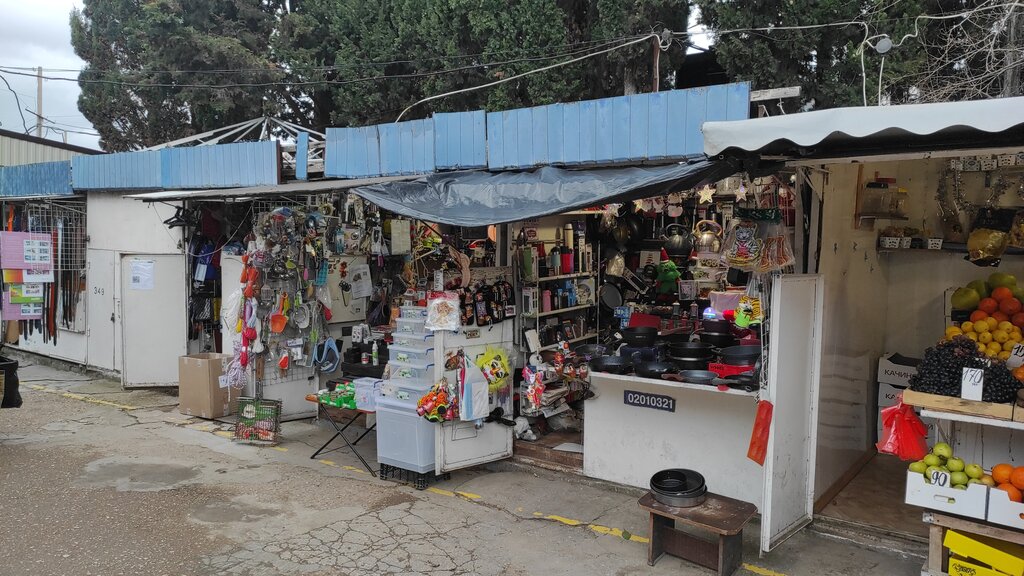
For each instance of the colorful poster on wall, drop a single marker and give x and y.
(26, 251)
(12, 311)
(27, 276)
(26, 293)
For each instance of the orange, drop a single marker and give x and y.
(1018, 373)
(1010, 306)
(1000, 316)
(988, 305)
(981, 315)
(1002, 293)
(1017, 477)
(1012, 490)
(1001, 473)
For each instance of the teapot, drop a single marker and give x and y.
(708, 235)
(677, 241)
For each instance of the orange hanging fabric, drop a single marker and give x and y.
(758, 448)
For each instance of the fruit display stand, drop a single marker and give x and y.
(939, 554)
(960, 410)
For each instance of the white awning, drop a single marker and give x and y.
(291, 188)
(880, 128)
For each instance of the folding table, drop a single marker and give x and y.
(339, 432)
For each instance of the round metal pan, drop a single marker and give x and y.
(741, 355)
(612, 365)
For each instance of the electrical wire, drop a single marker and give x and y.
(17, 101)
(535, 71)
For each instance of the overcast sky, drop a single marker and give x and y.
(36, 33)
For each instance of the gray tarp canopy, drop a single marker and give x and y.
(480, 198)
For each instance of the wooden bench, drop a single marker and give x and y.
(722, 516)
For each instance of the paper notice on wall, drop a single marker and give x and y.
(362, 286)
(37, 252)
(26, 251)
(27, 276)
(141, 275)
(401, 238)
(26, 293)
(12, 311)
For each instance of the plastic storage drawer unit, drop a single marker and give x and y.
(404, 439)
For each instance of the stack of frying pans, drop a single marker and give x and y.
(679, 488)
(690, 355)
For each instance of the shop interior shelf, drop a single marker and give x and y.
(674, 384)
(882, 216)
(565, 277)
(561, 311)
(943, 415)
(573, 341)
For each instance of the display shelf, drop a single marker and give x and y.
(943, 415)
(674, 384)
(560, 311)
(881, 216)
(564, 277)
(573, 341)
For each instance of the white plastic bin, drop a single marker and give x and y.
(412, 340)
(367, 391)
(971, 503)
(411, 325)
(414, 312)
(412, 354)
(405, 388)
(404, 439)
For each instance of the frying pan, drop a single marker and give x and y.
(741, 355)
(717, 339)
(720, 326)
(690, 363)
(690, 349)
(640, 336)
(653, 369)
(698, 376)
(611, 296)
(591, 350)
(612, 365)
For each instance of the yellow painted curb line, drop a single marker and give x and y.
(82, 398)
(760, 571)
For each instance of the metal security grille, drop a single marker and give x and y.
(64, 220)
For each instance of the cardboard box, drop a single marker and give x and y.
(963, 567)
(200, 389)
(1004, 557)
(970, 503)
(896, 369)
(1002, 510)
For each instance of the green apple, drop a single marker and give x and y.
(955, 465)
(974, 471)
(942, 449)
(918, 466)
(958, 478)
(929, 471)
(959, 487)
(975, 481)
(932, 460)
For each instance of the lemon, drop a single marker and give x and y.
(953, 332)
(967, 327)
(972, 336)
(1004, 355)
(990, 354)
(1008, 345)
(981, 326)
(995, 347)
(992, 323)
(1000, 336)
(982, 347)
(1016, 334)
(1005, 326)
(985, 338)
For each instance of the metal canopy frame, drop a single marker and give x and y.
(291, 188)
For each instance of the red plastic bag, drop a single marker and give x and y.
(903, 434)
(758, 448)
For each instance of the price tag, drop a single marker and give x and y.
(1016, 357)
(940, 478)
(971, 384)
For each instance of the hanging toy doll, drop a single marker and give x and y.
(667, 278)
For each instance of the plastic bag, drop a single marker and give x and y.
(230, 314)
(776, 253)
(990, 236)
(903, 434)
(443, 311)
(757, 450)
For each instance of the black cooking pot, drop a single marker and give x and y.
(612, 365)
(690, 349)
(641, 336)
(718, 340)
(677, 481)
(690, 363)
(591, 350)
(741, 355)
(720, 326)
(678, 240)
(653, 369)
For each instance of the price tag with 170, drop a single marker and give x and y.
(971, 384)
(1016, 357)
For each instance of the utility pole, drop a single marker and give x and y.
(39, 102)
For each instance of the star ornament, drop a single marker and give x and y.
(741, 193)
(706, 193)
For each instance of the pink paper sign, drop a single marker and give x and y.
(20, 311)
(26, 251)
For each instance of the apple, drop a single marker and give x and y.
(955, 465)
(974, 481)
(918, 466)
(959, 487)
(958, 478)
(929, 472)
(942, 449)
(974, 471)
(988, 480)
(932, 460)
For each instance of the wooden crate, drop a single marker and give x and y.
(959, 405)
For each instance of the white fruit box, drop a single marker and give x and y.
(971, 503)
(896, 370)
(1002, 510)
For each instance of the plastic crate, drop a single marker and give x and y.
(259, 421)
(411, 371)
(411, 325)
(1004, 557)
(970, 503)
(412, 354)
(414, 312)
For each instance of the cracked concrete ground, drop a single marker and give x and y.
(99, 481)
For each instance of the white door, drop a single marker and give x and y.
(462, 444)
(153, 318)
(794, 362)
(100, 305)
